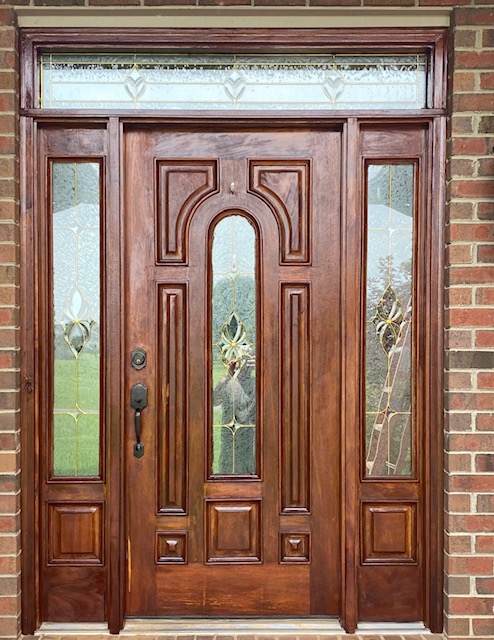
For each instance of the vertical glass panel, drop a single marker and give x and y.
(388, 386)
(234, 347)
(232, 82)
(76, 301)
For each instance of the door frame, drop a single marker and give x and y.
(33, 324)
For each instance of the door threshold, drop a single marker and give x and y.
(265, 627)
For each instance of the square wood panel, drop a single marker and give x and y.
(389, 533)
(295, 547)
(171, 547)
(233, 531)
(75, 534)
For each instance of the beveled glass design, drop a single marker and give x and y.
(232, 82)
(234, 389)
(76, 332)
(388, 353)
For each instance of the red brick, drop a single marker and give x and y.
(9, 524)
(8, 605)
(472, 189)
(457, 585)
(474, 16)
(8, 463)
(460, 124)
(457, 296)
(467, 565)
(485, 210)
(480, 317)
(458, 462)
(462, 606)
(483, 627)
(473, 102)
(464, 483)
(471, 441)
(459, 210)
(464, 81)
(458, 422)
(471, 275)
(9, 317)
(484, 338)
(9, 545)
(469, 146)
(458, 339)
(458, 380)
(484, 295)
(487, 38)
(464, 38)
(487, 81)
(484, 463)
(485, 504)
(484, 544)
(458, 503)
(485, 422)
(458, 544)
(457, 627)
(459, 167)
(485, 380)
(486, 165)
(470, 401)
(9, 504)
(466, 231)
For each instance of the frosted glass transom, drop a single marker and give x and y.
(231, 82)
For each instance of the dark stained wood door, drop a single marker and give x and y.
(240, 518)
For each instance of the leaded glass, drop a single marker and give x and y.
(76, 301)
(234, 393)
(232, 82)
(390, 211)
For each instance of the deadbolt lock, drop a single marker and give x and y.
(138, 359)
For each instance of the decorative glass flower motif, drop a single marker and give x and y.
(233, 342)
(389, 320)
(333, 85)
(135, 84)
(77, 334)
(234, 85)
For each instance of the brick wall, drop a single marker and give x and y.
(469, 443)
(9, 332)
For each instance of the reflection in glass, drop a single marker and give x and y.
(234, 347)
(230, 82)
(390, 205)
(76, 300)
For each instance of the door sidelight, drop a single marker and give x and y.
(138, 401)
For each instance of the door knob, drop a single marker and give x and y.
(138, 401)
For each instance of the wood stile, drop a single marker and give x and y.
(302, 536)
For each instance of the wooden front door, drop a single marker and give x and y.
(232, 257)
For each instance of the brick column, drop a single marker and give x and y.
(469, 585)
(9, 332)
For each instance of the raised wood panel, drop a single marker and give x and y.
(295, 398)
(389, 533)
(75, 535)
(172, 401)
(233, 531)
(171, 547)
(182, 185)
(285, 186)
(294, 547)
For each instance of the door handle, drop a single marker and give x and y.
(138, 401)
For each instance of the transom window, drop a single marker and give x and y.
(229, 82)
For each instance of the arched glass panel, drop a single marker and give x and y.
(233, 347)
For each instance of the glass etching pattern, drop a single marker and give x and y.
(234, 347)
(76, 298)
(230, 82)
(390, 204)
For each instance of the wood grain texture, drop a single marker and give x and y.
(172, 407)
(295, 400)
(182, 185)
(75, 533)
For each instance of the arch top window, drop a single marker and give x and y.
(224, 82)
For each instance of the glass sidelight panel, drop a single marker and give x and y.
(76, 308)
(388, 354)
(234, 392)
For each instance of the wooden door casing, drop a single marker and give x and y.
(274, 535)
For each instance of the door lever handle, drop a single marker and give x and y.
(138, 401)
